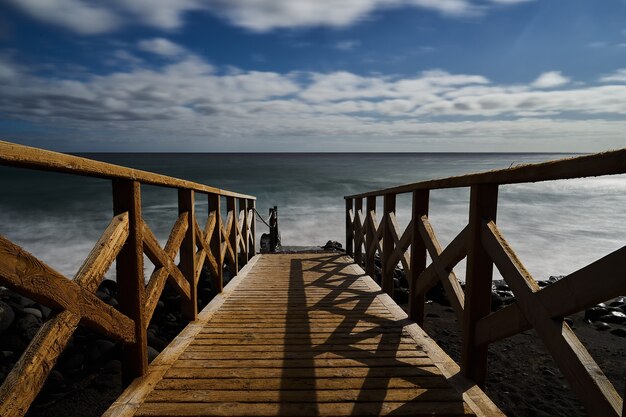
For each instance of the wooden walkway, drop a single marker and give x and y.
(302, 335)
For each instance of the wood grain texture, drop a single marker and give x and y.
(12, 154)
(300, 334)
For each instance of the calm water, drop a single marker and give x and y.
(555, 227)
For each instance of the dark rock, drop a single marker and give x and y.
(75, 362)
(614, 317)
(28, 326)
(620, 332)
(569, 321)
(594, 313)
(618, 302)
(109, 286)
(6, 316)
(112, 367)
(98, 349)
(12, 342)
(152, 353)
(33, 311)
(157, 342)
(602, 326)
(332, 245)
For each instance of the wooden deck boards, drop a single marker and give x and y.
(300, 335)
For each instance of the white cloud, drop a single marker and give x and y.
(347, 45)
(77, 15)
(618, 76)
(161, 46)
(191, 98)
(550, 79)
(83, 16)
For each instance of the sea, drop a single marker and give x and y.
(555, 227)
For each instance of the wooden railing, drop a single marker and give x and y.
(484, 245)
(126, 239)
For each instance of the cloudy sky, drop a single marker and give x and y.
(314, 75)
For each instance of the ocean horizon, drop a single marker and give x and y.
(555, 227)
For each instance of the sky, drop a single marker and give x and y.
(314, 75)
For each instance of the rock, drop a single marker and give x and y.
(602, 326)
(98, 349)
(157, 342)
(332, 245)
(619, 332)
(112, 367)
(6, 316)
(12, 342)
(33, 311)
(152, 353)
(594, 313)
(28, 326)
(618, 302)
(614, 317)
(75, 362)
(109, 286)
(569, 321)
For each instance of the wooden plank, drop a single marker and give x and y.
(349, 227)
(160, 275)
(25, 274)
(478, 278)
(130, 278)
(590, 285)
(587, 380)
(303, 409)
(28, 375)
(161, 259)
(232, 235)
(350, 372)
(389, 207)
(448, 279)
(103, 253)
(358, 230)
(216, 242)
(419, 208)
(605, 163)
(370, 235)
(188, 267)
(21, 156)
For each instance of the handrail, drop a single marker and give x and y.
(20, 156)
(230, 240)
(484, 246)
(606, 163)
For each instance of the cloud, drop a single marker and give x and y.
(550, 80)
(618, 76)
(85, 17)
(191, 98)
(161, 46)
(76, 15)
(347, 45)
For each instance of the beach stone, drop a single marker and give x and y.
(109, 286)
(618, 302)
(619, 332)
(75, 362)
(33, 311)
(28, 326)
(594, 313)
(12, 342)
(332, 245)
(614, 317)
(152, 353)
(602, 326)
(6, 316)
(98, 349)
(569, 321)
(112, 367)
(157, 342)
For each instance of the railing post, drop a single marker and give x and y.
(234, 231)
(370, 237)
(349, 228)
(478, 278)
(273, 229)
(188, 267)
(418, 256)
(252, 219)
(130, 278)
(215, 209)
(243, 209)
(358, 239)
(389, 206)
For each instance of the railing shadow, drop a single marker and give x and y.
(366, 347)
